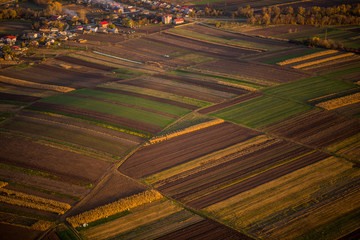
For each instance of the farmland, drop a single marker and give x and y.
(182, 132)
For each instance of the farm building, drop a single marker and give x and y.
(166, 19)
(178, 21)
(104, 24)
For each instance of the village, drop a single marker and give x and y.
(105, 17)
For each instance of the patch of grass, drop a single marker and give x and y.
(137, 101)
(125, 73)
(260, 111)
(104, 220)
(21, 66)
(310, 88)
(109, 108)
(66, 234)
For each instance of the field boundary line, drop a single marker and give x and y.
(216, 43)
(119, 58)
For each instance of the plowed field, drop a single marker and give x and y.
(163, 155)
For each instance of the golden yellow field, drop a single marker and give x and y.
(303, 65)
(115, 207)
(306, 57)
(340, 102)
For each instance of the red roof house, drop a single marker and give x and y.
(104, 24)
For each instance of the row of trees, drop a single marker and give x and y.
(337, 15)
(17, 12)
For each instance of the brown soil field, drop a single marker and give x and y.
(124, 104)
(178, 91)
(278, 54)
(47, 74)
(7, 26)
(51, 235)
(84, 63)
(316, 128)
(43, 183)
(198, 46)
(271, 73)
(350, 110)
(232, 170)
(206, 229)
(18, 90)
(352, 236)
(67, 165)
(83, 125)
(276, 30)
(112, 188)
(230, 102)
(335, 64)
(166, 154)
(98, 116)
(102, 37)
(12, 232)
(16, 97)
(152, 98)
(228, 35)
(135, 50)
(211, 85)
(154, 29)
(256, 180)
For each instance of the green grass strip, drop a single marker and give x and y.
(28, 171)
(113, 109)
(260, 111)
(310, 88)
(104, 220)
(137, 101)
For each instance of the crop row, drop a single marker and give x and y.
(113, 208)
(30, 201)
(340, 102)
(186, 130)
(323, 60)
(306, 57)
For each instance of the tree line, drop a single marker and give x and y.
(318, 16)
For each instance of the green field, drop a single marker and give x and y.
(310, 88)
(109, 108)
(77, 137)
(260, 111)
(159, 94)
(137, 101)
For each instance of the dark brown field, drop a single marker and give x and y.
(84, 63)
(230, 102)
(12, 232)
(163, 155)
(47, 74)
(267, 72)
(211, 85)
(67, 165)
(316, 128)
(16, 97)
(256, 180)
(206, 229)
(98, 116)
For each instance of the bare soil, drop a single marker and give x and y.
(84, 63)
(271, 73)
(257, 180)
(206, 229)
(12, 232)
(166, 154)
(16, 97)
(68, 165)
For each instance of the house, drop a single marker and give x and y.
(54, 30)
(44, 29)
(104, 24)
(114, 30)
(32, 35)
(79, 28)
(94, 29)
(55, 17)
(166, 19)
(178, 21)
(102, 30)
(9, 39)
